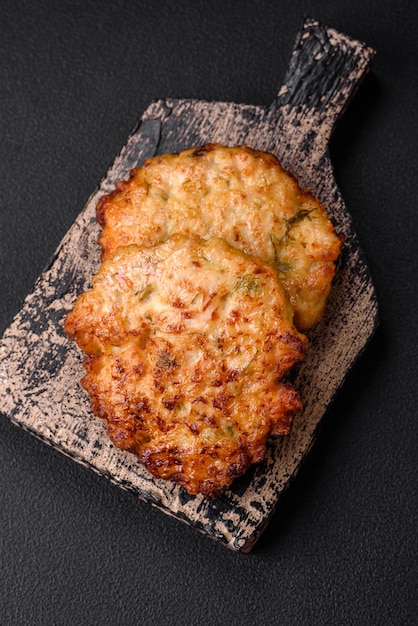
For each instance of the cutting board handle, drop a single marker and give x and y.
(325, 69)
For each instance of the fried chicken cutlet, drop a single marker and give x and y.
(187, 342)
(241, 195)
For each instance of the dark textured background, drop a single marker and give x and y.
(342, 547)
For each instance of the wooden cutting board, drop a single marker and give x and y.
(40, 370)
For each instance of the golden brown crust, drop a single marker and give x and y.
(239, 194)
(187, 342)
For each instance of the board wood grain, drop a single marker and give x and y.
(40, 370)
